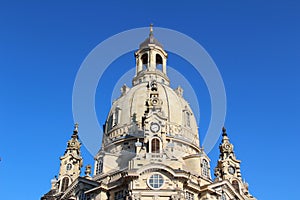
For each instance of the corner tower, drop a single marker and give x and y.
(70, 168)
(229, 169)
(70, 162)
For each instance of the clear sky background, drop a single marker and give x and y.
(255, 45)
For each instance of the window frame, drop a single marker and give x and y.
(189, 195)
(155, 181)
(205, 168)
(64, 184)
(99, 166)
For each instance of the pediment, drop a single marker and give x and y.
(80, 183)
(223, 188)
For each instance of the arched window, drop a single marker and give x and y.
(187, 119)
(99, 166)
(235, 184)
(110, 122)
(116, 116)
(205, 168)
(155, 146)
(64, 184)
(145, 60)
(158, 62)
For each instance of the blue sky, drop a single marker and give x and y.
(255, 45)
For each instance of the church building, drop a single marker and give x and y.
(150, 147)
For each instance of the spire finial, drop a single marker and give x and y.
(224, 131)
(75, 128)
(151, 30)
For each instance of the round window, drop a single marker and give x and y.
(155, 181)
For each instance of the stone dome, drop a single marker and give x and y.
(132, 105)
(151, 114)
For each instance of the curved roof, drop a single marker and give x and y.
(173, 108)
(150, 40)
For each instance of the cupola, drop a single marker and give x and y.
(151, 61)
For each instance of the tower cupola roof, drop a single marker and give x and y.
(150, 40)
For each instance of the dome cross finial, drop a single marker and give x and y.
(151, 30)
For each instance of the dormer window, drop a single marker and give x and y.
(116, 116)
(99, 166)
(109, 122)
(205, 168)
(188, 119)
